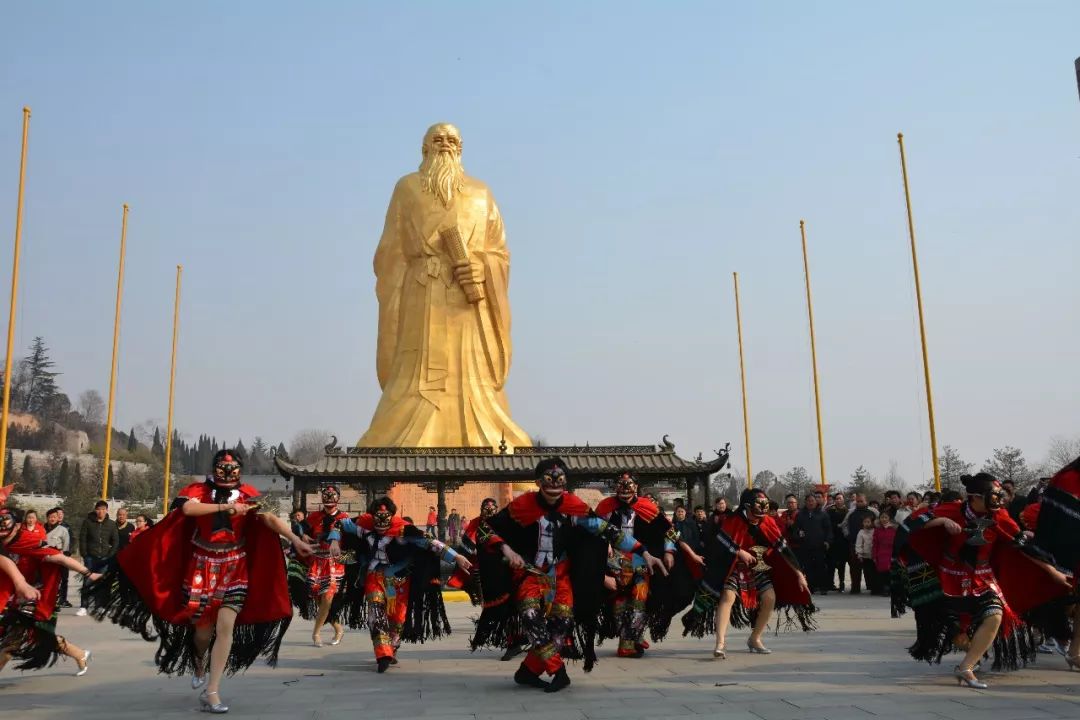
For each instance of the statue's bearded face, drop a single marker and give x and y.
(441, 172)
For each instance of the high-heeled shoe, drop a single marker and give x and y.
(84, 664)
(719, 653)
(316, 640)
(338, 635)
(966, 676)
(758, 649)
(218, 708)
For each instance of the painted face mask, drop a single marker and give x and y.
(7, 523)
(994, 497)
(488, 508)
(553, 482)
(330, 496)
(382, 519)
(759, 506)
(626, 487)
(227, 472)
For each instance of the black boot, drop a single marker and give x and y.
(525, 676)
(382, 663)
(559, 681)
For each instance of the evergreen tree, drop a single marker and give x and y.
(797, 481)
(9, 467)
(259, 460)
(241, 450)
(951, 467)
(1008, 463)
(29, 479)
(122, 488)
(863, 482)
(41, 379)
(64, 481)
(157, 449)
(132, 443)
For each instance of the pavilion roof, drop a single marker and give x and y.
(652, 462)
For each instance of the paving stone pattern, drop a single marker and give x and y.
(853, 668)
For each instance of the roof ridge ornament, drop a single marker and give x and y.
(502, 444)
(332, 448)
(666, 445)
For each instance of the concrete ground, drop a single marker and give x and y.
(853, 668)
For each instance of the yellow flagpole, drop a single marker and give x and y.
(115, 349)
(172, 384)
(922, 324)
(742, 374)
(813, 351)
(14, 295)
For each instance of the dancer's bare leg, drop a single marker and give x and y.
(320, 617)
(723, 619)
(980, 642)
(1074, 646)
(766, 603)
(204, 634)
(219, 654)
(73, 651)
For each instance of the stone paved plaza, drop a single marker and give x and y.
(853, 668)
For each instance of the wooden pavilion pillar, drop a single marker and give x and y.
(440, 492)
(506, 493)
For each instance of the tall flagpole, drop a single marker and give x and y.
(922, 324)
(172, 384)
(742, 374)
(14, 295)
(813, 352)
(115, 350)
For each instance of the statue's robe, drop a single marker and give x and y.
(442, 361)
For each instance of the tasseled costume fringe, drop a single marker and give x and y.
(33, 642)
(306, 606)
(937, 630)
(498, 626)
(115, 598)
(700, 620)
(426, 618)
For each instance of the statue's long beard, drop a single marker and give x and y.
(442, 175)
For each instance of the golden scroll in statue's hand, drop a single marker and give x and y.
(455, 247)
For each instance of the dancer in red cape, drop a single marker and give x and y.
(971, 578)
(30, 576)
(188, 578)
(316, 587)
(1055, 520)
(749, 572)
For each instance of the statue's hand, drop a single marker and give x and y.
(469, 273)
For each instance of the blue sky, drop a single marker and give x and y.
(640, 153)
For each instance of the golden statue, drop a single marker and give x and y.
(441, 277)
